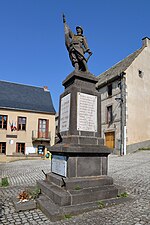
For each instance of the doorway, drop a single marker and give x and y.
(110, 139)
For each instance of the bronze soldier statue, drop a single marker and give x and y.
(77, 46)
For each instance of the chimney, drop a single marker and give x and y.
(45, 88)
(146, 41)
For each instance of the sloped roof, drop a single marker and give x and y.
(118, 68)
(24, 97)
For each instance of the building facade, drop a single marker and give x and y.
(125, 102)
(27, 121)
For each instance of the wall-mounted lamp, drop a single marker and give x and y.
(119, 99)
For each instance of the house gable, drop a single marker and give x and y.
(121, 66)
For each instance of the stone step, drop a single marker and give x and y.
(49, 208)
(55, 212)
(84, 182)
(55, 193)
(93, 194)
(64, 197)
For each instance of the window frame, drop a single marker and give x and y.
(19, 146)
(20, 125)
(109, 114)
(1, 148)
(2, 122)
(43, 128)
(140, 73)
(109, 90)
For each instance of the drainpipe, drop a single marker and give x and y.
(122, 114)
(125, 144)
(121, 120)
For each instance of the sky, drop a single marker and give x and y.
(32, 48)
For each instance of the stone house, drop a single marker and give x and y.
(27, 121)
(125, 102)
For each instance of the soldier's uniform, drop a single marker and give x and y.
(76, 46)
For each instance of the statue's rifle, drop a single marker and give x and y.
(88, 56)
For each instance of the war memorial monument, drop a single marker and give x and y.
(79, 167)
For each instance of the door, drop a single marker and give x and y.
(41, 150)
(110, 139)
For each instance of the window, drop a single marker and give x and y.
(109, 89)
(43, 128)
(109, 114)
(3, 122)
(20, 148)
(140, 73)
(3, 147)
(21, 123)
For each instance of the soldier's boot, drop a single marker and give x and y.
(85, 66)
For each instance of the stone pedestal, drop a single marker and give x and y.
(80, 128)
(79, 159)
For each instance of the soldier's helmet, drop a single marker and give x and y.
(79, 27)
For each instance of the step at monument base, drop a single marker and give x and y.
(55, 212)
(64, 197)
(84, 182)
(77, 196)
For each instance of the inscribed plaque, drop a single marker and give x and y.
(86, 112)
(65, 113)
(59, 165)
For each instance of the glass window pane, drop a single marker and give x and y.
(23, 120)
(22, 123)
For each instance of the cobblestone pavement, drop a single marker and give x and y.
(131, 171)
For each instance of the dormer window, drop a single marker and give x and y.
(140, 73)
(109, 89)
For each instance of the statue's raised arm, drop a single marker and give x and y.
(77, 46)
(68, 33)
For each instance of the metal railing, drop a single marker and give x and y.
(41, 135)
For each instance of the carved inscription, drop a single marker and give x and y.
(86, 112)
(65, 113)
(59, 165)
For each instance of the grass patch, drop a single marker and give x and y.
(4, 182)
(101, 204)
(67, 216)
(123, 195)
(77, 187)
(34, 192)
(144, 148)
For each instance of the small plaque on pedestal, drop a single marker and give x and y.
(59, 165)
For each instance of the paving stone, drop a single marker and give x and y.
(131, 171)
(24, 221)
